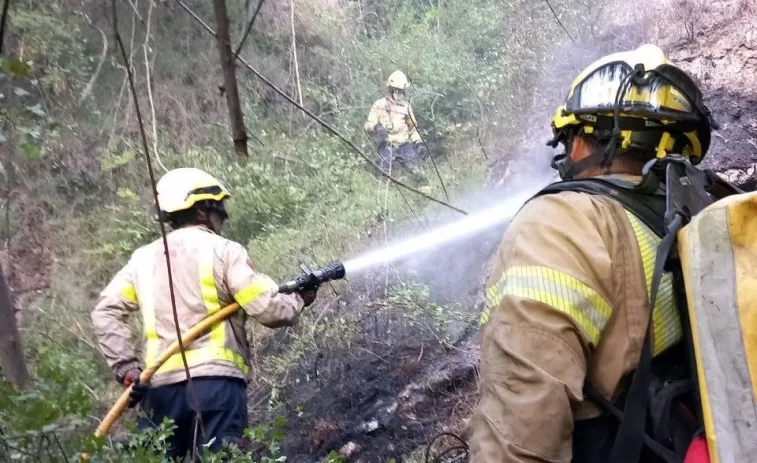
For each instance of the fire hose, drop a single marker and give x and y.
(310, 279)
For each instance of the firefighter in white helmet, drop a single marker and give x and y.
(208, 272)
(393, 125)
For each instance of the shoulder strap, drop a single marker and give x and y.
(649, 208)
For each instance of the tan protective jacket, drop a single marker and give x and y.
(398, 119)
(209, 272)
(569, 303)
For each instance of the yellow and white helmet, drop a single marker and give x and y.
(398, 80)
(637, 99)
(181, 189)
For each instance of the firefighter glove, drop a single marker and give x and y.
(381, 133)
(420, 148)
(308, 296)
(138, 390)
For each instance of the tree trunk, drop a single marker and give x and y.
(11, 351)
(230, 79)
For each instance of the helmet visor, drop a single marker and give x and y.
(651, 96)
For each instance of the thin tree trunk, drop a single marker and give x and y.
(294, 55)
(236, 118)
(11, 351)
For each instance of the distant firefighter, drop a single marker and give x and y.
(393, 125)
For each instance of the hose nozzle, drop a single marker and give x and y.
(311, 279)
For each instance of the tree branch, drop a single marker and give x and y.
(294, 52)
(3, 20)
(103, 55)
(247, 31)
(145, 48)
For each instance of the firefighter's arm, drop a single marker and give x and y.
(412, 125)
(548, 308)
(373, 117)
(109, 319)
(257, 293)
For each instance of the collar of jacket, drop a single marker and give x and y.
(395, 102)
(202, 227)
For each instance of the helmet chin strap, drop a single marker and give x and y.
(568, 168)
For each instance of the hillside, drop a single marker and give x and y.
(385, 360)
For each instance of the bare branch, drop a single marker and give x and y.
(145, 48)
(247, 31)
(294, 52)
(558, 21)
(136, 11)
(103, 55)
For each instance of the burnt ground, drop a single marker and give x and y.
(408, 374)
(405, 377)
(725, 63)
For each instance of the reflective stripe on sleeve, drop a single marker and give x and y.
(251, 292)
(129, 293)
(561, 292)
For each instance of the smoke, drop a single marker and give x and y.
(452, 257)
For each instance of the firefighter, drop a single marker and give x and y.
(393, 125)
(209, 272)
(568, 299)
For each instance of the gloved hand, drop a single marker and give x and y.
(308, 296)
(138, 390)
(381, 133)
(420, 148)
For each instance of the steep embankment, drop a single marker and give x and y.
(408, 373)
(724, 60)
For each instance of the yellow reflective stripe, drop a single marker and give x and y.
(251, 292)
(204, 355)
(559, 291)
(666, 321)
(208, 281)
(145, 277)
(129, 292)
(210, 295)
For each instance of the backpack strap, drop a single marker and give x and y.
(649, 208)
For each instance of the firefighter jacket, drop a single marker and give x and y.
(209, 272)
(398, 119)
(567, 302)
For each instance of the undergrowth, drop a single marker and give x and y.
(79, 193)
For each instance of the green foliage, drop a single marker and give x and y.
(128, 226)
(51, 37)
(413, 302)
(22, 116)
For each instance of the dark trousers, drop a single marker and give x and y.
(222, 406)
(403, 154)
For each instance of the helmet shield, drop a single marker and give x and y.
(654, 96)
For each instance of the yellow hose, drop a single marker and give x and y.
(190, 336)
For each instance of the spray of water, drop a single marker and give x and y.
(454, 231)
